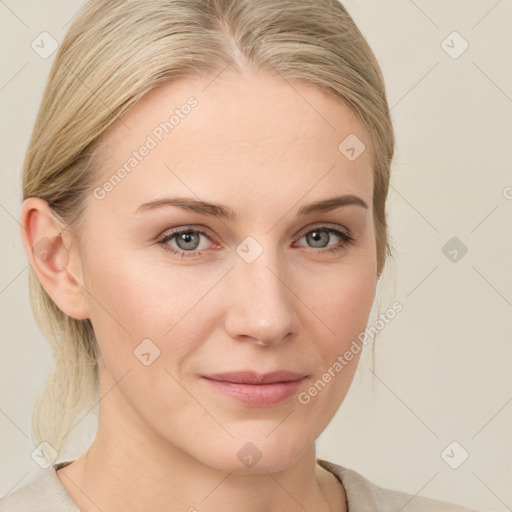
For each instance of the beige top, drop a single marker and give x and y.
(47, 494)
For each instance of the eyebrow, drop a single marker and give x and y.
(224, 212)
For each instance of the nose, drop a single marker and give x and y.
(263, 307)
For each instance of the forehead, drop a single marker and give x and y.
(245, 134)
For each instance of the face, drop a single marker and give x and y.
(176, 293)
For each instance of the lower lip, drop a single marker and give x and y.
(258, 395)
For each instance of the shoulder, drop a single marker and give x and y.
(363, 495)
(44, 494)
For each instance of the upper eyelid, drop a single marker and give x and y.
(183, 229)
(326, 225)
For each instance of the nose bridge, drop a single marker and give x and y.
(263, 306)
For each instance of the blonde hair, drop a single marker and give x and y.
(118, 50)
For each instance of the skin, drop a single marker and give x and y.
(166, 440)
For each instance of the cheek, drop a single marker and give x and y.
(342, 309)
(342, 298)
(124, 309)
(342, 306)
(134, 298)
(127, 291)
(134, 306)
(118, 299)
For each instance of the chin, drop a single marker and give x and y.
(258, 453)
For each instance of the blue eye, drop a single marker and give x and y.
(188, 240)
(324, 233)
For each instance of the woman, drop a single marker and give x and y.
(204, 213)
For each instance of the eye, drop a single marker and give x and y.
(187, 240)
(320, 236)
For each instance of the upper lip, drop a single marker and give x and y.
(250, 377)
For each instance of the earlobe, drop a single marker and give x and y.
(53, 257)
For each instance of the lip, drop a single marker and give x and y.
(255, 389)
(250, 377)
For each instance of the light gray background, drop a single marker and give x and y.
(444, 364)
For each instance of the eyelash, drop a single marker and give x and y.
(347, 239)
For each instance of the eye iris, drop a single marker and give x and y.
(317, 235)
(187, 237)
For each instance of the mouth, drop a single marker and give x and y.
(256, 389)
(250, 377)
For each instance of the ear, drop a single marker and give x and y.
(53, 255)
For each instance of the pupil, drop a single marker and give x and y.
(187, 238)
(317, 235)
